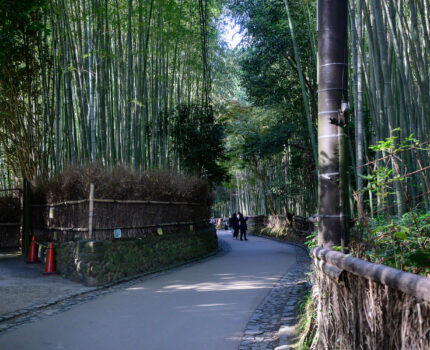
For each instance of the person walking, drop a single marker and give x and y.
(234, 225)
(243, 227)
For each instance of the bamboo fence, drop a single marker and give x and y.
(362, 305)
(10, 227)
(97, 219)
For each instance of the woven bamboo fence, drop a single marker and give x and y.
(97, 219)
(10, 218)
(362, 305)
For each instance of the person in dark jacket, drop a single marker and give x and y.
(243, 227)
(234, 224)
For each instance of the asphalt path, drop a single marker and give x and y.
(201, 306)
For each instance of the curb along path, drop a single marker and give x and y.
(273, 324)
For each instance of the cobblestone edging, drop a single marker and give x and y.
(272, 326)
(64, 303)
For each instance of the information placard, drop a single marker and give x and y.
(117, 233)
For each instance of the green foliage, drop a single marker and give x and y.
(267, 136)
(269, 70)
(312, 240)
(401, 242)
(21, 30)
(20, 22)
(199, 142)
(307, 326)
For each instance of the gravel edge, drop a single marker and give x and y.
(273, 323)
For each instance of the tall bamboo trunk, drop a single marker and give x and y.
(333, 90)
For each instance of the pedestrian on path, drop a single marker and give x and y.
(234, 225)
(243, 227)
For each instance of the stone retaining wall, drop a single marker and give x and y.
(99, 262)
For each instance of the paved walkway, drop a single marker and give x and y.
(23, 287)
(205, 305)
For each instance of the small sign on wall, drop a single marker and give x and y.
(191, 228)
(51, 212)
(160, 231)
(117, 233)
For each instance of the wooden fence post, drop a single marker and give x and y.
(26, 216)
(91, 212)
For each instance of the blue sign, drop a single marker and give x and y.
(117, 233)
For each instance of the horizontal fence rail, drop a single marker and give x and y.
(406, 282)
(113, 201)
(85, 229)
(7, 224)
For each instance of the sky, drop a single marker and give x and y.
(230, 31)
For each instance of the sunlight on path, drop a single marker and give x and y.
(205, 305)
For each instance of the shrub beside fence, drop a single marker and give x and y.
(362, 305)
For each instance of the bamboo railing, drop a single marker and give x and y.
(334, 263)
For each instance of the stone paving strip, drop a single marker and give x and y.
(273, 324)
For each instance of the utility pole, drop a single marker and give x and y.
(333, 213)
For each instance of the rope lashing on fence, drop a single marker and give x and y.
(406, 282)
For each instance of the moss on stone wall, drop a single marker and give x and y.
(100, 262)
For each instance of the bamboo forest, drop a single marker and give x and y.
(129, 126)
